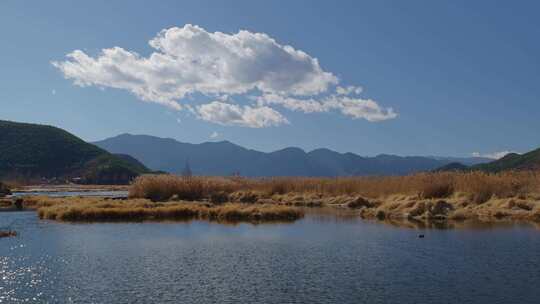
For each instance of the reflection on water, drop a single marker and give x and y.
(323, 258)
(476, 224)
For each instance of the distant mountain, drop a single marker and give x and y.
(36, 152)
(225, 158)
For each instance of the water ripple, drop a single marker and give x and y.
(311, 261)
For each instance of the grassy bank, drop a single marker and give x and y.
(104, 210)
(440, 196)
(456, 207)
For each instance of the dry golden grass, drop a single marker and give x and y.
(455, 208)
(104, 210)
(5, 203)
(164, 187)
(508, 195)
(444, 195)
(482, 186)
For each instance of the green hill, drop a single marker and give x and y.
(30, 152)
(513, 161)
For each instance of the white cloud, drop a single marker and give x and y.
(190, 59)
(235, 115)
(218, 65)
(493, 155)
(214, 135)
(350, 106)
(53, 92)
(349, 90)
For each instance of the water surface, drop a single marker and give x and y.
(73, 193)
(320, 259)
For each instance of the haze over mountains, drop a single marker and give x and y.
(226, 158)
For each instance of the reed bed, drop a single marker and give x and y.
(425, 196)
(104, 210)
(481, 186)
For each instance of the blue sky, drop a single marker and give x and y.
(460, 77)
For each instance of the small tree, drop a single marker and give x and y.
(187, 170)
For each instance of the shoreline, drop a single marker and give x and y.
(426, 197)
(396, 210)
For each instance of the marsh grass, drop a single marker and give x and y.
(165, 187)
(425, 196)
(5, 203)
(439, 196)
(480, 186)
(103, 210)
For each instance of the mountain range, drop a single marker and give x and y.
(39, 152)
(226, 158)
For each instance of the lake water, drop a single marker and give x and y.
(114, 193)
(320, 259)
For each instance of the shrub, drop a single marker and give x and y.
(4, 190)
(437, 189)
(482, 196)
(219, 197)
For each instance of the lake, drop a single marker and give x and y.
(71, 193)
(322, 258)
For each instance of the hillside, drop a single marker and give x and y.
(225, 158)
(37, 152)
(513, 161)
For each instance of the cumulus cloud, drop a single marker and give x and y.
(236, 115)
(214, 135)
(493, 155)
(190, 60)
